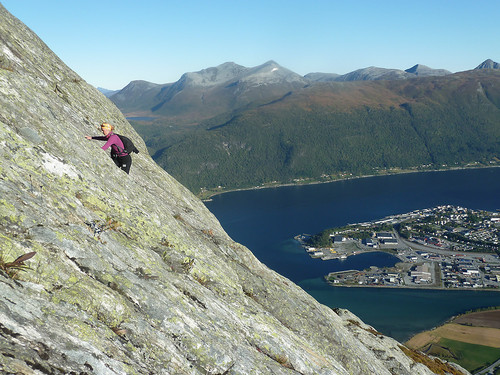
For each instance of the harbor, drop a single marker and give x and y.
(443, 247)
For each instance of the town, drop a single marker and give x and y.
(442, 247)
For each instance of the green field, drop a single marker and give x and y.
(472, 357)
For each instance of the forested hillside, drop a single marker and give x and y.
(329, 130)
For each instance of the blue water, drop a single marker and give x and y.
(266, 221)
(141, 118)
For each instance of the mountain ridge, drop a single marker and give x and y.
(424, 71)
(331, 129)
(229, 87)
(488, 64)
(388, 73)
(190, 112)
(202, 95)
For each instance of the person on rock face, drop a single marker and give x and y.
(121, 158)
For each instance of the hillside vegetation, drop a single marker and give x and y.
(329, 130)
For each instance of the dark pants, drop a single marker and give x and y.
(123, 162)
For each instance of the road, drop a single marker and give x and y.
(436, 249)
(489, 370)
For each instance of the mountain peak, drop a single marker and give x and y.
(373, 73)
(488, 64)
(417, 68)
(424, 71)
(267, 73)
(271, 73)
(214, 75)
(270, 63)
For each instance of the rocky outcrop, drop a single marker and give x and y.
(424, 71)
(132, 274)
(373, 73)
(488, 64)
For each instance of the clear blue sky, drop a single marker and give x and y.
(112, 42)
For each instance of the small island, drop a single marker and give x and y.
(441, 247)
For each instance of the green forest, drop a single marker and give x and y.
(395, 126)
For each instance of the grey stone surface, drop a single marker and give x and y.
(132, 274)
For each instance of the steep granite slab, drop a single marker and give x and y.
(132, 274)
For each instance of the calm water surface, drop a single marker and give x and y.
(267, 220)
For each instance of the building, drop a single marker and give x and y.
(369, 242)
(338, 239)
(384, 236)
(389, 241)
(422, 273)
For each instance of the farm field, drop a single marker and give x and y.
(472, 340)
(480, 319)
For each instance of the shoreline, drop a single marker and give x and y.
(412, 287)
(389, 173)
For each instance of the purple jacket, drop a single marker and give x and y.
(115, 142)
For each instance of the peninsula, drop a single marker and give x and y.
(441, 247)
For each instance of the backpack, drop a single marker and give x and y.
(127, 144)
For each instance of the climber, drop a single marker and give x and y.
(119, 154)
